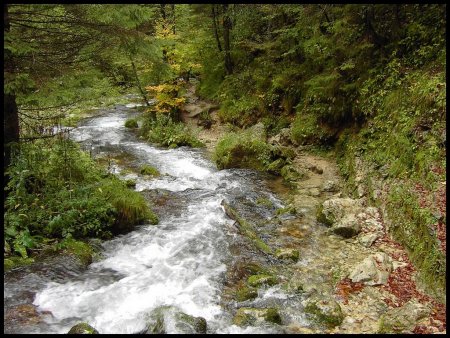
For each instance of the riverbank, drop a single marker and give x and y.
(366, 276)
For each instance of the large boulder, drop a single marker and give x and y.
(251, 316)
(324, 310)
(348, 226)
(169, 319)
(374, 270)
(334, 209)
(402, 319)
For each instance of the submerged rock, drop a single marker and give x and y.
(287, 253)
(374, 270)
(252, 316)
(168, 319)
(82, 328)
(245, 293)
(258, 280)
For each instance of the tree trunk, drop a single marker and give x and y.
(138, 83)
(226, 40)
(216, 33)
(173, 18)
(10, 111)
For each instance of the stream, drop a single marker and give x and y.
(183, 262)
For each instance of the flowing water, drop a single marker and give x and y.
(182, 261)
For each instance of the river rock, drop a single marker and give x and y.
(374, 270)
(402, 319)
(251, 316)
(348, 226)
(330, 186)
(245, 293)
(334, 209)
(169, 319)
(258, 280)
(287, 253)
(283, 138)
(258, 130)
(367, 240)
(324, 310)
(82, 328)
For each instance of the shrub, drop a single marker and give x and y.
(164, 131)
(131, 123)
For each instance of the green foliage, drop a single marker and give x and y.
(166, 132)
(242, 150)
(131, 123)
(57, 191)
(149, 170)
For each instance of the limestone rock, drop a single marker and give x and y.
(348, 226)
(374, 270)
(283, 138)
(82, 328)
(324, 310)
(334, 209)
(169, 319)
(330, 186)
(258, 130)
(367, 240)
(252, 316)
(403, 319)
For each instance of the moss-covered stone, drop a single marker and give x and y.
(246, 228)
(81, 250)
(130, 183)
(265, 202)
(252, 316)
(276, 166)
(324, 311)
(258, 280)
(131, 123)
(16, 261)
(82, 328)
(320, 216)
(245, 293)
(290, 209)
(288, 253)
(149, 170)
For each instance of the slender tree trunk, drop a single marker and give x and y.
(138, 83)
(216, 33)
(226, 40)
(173, 18)
(10, 111)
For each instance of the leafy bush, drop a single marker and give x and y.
(131, 123)
(58, 191)
(242, 150)
(165, 132)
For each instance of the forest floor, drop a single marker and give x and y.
(396, 306)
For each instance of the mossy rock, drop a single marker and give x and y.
(80, 250)
(245, 293)
(325, 311)
(131, 123)
(258, 280)
(320, 216)
(82, 328)
(130, 183)
(251, 316)
(149, 170)
(288, 253)
(265, 202)
(16, 261)
(276, 166)
(290, 209)
(178, 321)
